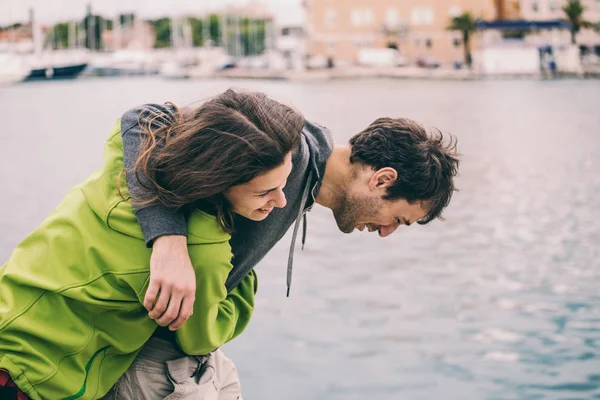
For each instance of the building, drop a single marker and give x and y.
(138, 35)
(552, 9)
(542, 33)
(17, 39)
(290, 42)
(338, 29)
(507, 9)
(545, 10)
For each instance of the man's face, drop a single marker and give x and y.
(362, 206)
(375, 214)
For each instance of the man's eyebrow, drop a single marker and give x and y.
(406, 222)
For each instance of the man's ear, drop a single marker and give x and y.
(383, 178)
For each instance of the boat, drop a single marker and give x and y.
(53, 64)
(68, 71)
(12, 69)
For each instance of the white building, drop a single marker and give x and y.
(544, 10)
(290, 42)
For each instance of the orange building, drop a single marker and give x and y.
(418, 28)
(507, 9)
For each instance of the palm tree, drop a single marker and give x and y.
(574, 12)
(467, 24)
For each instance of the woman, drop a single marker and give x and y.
(71, 294)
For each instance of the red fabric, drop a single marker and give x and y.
(7, 382)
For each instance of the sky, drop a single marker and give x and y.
(48, 11)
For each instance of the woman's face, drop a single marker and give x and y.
(256, 199)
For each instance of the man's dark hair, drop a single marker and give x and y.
(426, 161)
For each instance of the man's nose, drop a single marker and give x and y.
(386, 230)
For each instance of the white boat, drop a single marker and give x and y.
(125, 63)
(174, 70)
(47, 63)
(57, 64)
(13, 68)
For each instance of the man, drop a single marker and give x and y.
(393, 173)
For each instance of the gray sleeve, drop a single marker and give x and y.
(155, 220)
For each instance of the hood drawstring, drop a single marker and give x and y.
(295, 233)
(303, 230)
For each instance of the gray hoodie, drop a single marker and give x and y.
(251, 240)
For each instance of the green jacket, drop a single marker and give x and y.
(71, 314)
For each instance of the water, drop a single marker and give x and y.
(500, 301)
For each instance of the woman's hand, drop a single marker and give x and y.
(172, 289)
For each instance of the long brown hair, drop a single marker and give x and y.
(227, 141)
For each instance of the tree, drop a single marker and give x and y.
(92, 26)
(574, 12)
(252, 33)
(198, 31)
(162, 31)
(252, 36)
(214, 30)
(11, 26)
(60, 35)
(467, 24)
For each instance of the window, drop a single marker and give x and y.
(355, 17)
(534, 6)
(427, 15)
(362, 16)
(369, 17)
(291, 31)
(456, 42)
(415, 16)
(553, 5)
(428, 43)
(330, 17)
(417, 42)
(330, 46)
(392, 18)
(421, 15)
(454, 11)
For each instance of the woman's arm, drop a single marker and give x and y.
(170, 295)
(218, 316)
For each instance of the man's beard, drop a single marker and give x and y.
(352, 208)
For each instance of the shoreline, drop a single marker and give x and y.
(347, 73)
(386, 73)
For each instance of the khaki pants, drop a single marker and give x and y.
(161, 371)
